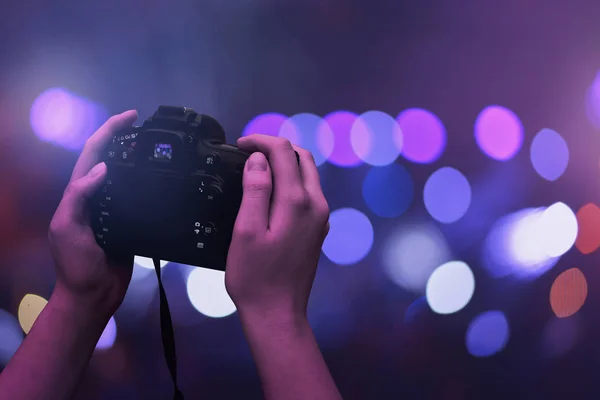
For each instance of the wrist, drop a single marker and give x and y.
(87, 310)
(257, 321)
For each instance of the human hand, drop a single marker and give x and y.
(85, 275)
(279, 230)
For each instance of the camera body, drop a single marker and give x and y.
(173, 190)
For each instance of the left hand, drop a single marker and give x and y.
(279, 230)
(85, 275)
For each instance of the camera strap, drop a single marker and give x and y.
(166, 330)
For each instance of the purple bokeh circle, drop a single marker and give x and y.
(447, 195)
(422, 135)
(499, 132)
(350, 237)
(333, 139)
(487, 334)
(265, 124)
(301, 129)
(376, 138)
(65, 119)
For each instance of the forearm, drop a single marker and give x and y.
(288, 358)
(53, 357)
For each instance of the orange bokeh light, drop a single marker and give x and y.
(588, 220)
(568, 293)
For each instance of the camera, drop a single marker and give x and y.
(173, 190)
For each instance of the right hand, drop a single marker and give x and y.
(279, 230)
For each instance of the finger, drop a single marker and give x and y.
(92, 150)
(280, 154)
(73, 205)
(253, 216)
(312, 183)
(289, 194)
(310, 173)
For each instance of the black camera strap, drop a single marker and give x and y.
(166, 330)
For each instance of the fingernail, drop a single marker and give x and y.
(97, 170)
(257, 162)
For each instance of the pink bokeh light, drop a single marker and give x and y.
(333, 137)
(265, 124)
(499, 132)
(64, 119)
(422, 135)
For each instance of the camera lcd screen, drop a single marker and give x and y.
(163, 151)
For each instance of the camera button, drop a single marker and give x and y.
(209, 229)
(214, 190)
(208, 187)
(212, 159)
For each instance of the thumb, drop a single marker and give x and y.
(257, 187)
(88, 184)
(74, 201)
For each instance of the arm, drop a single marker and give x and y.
(52, 359)
(288, 358)
(89, 288)
(271, 265)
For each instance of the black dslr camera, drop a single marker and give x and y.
(172, 192)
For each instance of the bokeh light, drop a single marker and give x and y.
(139, 272)
(447, 195)
(147, 263)
(265, 124)
(423, 136)
(588, 223)
(558, 227)
(388, 191)
(350, 236)
(376, 138)
(560, 335)
(498, 132)
(450, 287)
(592, 101)
(11, 336)
(185, 270)
(109, 335)
(412, 253)
(549, 154)
(301, 130)
(65, 119)
(333, 139)
(529, 242)
(487, 334)
(415, 310)
(140, 294)
(207, 293)
(568, 293)
(513, 248)
(29, 309)
(525, 242)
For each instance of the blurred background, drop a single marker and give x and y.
(458, 146)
